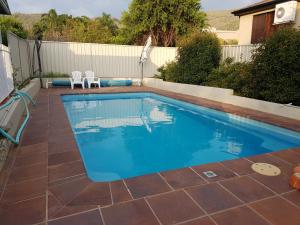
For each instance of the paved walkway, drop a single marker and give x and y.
(44, 180)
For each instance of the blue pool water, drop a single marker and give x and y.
(126, 135)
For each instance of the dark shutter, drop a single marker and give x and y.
(258, 28)
(262, 27)
(270, 28)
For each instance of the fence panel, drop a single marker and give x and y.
(6, 73)
(20, 56)
(118, 61)
(239, 53)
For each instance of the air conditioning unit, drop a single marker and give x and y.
(285, 12)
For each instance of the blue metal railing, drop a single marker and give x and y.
(23, 96)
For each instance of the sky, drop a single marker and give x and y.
(93, 8)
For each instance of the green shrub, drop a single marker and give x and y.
(167, 71)
(198, 55)
(54, 75)
(231, 75)
(276, 68)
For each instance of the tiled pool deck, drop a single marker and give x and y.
(44, 180)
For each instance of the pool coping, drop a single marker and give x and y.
(60, 169)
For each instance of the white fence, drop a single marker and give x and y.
(20, 56)
(118, 61)
(239, 53)
(6, 73)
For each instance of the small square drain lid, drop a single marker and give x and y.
(210, 174)
(266, 169)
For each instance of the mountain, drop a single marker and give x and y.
(222, 20)
(28, 19)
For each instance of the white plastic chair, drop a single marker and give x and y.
(77, 79)
(90, 78)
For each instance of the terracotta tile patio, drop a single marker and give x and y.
(44, 180)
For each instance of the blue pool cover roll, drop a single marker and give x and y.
(104, 83)
(61, 83)
(112, 83)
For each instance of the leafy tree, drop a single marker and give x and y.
(165, 20)
(51, 25)
(8, 23)
(107, 21)
(80, 29)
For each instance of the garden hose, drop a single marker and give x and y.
(17, 96)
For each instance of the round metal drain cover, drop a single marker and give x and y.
(266, 169)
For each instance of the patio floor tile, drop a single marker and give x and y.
(146, 185)
(201, 221)
(53, 134)
(289, 156)
(70, 210)
(32, 149)
(182, 178)
(25, 190)
(28, 160)
(54, 205)
(119, 192)
(63, 147)
(28, 212)
(59, 123)
(174, 207)
(34, 139)
(65, 170)
(93, 194)
(26, 173)
(297, 150)
(64, 157)
(212, 197)
(239, 166)
(86, 218)
(239, 216)
(221, 171)
(66, 192)
(36, 124)
(135, 212)
(278, 211)
(293, 196)
(279, 184)
(62, 142)
(246, 189)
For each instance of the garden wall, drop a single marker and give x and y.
(225, 96)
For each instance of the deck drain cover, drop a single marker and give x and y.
(266, 169)
(210, 174)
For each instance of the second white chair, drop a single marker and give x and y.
(77, 79)
(90, 78)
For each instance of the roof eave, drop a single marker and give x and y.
(4, 8)
(257, 8)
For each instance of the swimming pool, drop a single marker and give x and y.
(132, 134)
